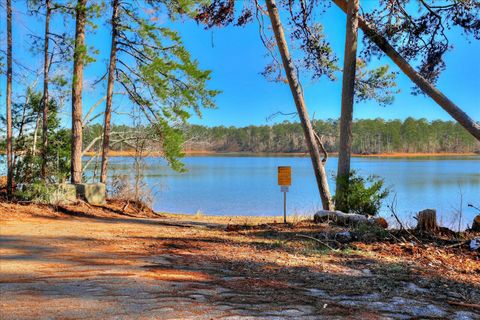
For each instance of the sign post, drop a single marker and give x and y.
(284, 181)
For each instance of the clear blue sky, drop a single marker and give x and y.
(236, 57)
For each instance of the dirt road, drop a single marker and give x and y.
(57, 266)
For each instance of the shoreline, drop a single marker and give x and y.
(295, 154)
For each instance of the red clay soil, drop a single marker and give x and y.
(84, 262)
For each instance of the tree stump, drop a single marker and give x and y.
(427, 220)
(476, 224)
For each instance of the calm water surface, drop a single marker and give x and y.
(229, 185)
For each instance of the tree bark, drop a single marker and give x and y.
(9, 101)
(110, 85)
(348, 94)
(22, 125)
(35, 136)
(45, 90)
(290, 71)
(77, 86)
(451, 108)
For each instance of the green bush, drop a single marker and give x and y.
(363, 196)
(37, 192)
(46, 193)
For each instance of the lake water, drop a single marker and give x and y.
(246, 185)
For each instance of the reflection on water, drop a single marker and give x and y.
(248, 185)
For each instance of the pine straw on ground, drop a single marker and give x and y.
(444, 254)
(441, 255)
(266, 261)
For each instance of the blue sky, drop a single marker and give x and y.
(236, 57)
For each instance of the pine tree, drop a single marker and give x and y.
(9, 101)
(156, 71)
(77, 88)
(346, 117)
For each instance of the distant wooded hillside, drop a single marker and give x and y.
(369, 137)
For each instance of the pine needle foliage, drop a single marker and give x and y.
(158, 73)
(364, 195)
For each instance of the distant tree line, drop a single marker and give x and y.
(369, 137)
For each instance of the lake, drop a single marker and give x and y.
(247, 185)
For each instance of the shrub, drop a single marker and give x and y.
(46, 193)
(363, 196)
(122, 187)
(37, 192)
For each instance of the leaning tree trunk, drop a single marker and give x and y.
(9, 101)
(297, 93)
(77, 86)
(458, 114)
(110, 85)
(348, 93)
(46, 64)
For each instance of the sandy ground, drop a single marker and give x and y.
(98, 265)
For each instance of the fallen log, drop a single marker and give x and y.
(347, 219)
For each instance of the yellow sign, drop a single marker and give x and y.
(285, 176)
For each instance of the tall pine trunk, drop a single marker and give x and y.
(110, 85)
(453, 110)
(348, 94)
(46, 65)
(297, 93)
(77, 86)
(9, 101)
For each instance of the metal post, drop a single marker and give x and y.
(284, 181)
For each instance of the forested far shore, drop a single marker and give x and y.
(370, 136)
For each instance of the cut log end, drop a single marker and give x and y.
(476, 224)
(382, 222)
(427, 220)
